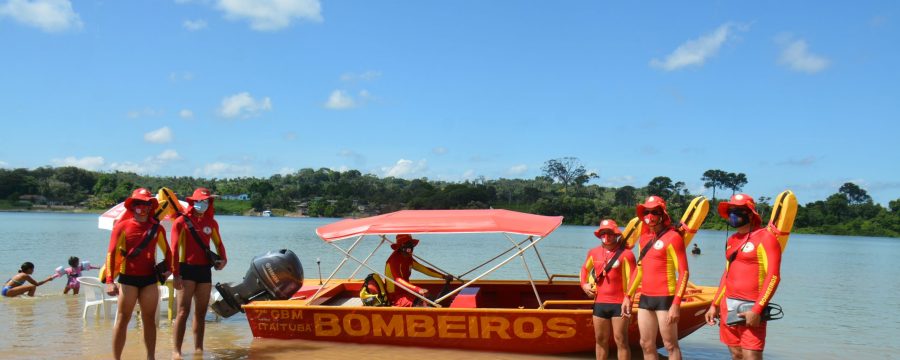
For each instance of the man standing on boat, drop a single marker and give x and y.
(662, 256)
(399, 267)
(752, 273)
(604, 277)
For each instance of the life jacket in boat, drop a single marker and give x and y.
(373, 291)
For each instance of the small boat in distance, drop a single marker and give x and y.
(538, 316)
(267, 213)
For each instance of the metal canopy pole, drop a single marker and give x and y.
(383, 239)
(494, 258)
(513, 256)
(384, 277)
(355, 243)
(528, 271)
(542, 262)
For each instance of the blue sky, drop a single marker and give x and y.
(802, 95)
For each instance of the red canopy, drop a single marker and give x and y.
(442, 222)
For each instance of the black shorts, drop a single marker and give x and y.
(201, 274)
(656, 303)
(607, 310)
(137, 281)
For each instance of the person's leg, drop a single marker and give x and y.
(127, 298)
(736, 352)
(649, 329)
(752, 354)
(75, 289)
(669, 333)
(21, 289)
(201, 303)
(149, 300)
(620, 334)
(601, 337)
(66, 290)
(183, 300)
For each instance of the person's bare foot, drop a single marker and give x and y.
(176, 356)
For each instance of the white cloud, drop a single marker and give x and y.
(186, 114)
(128, 166)
(243, 105)
(290, 136)
(168, 155)
(617, 181)
(796, 56)
(696, 51)
(440, 150)
(517, 170)
(159, 136)
(340, 100)
(405, 168)
(469, 175)
(223, 170)
(364, 76)
(87, 162)
(47, 15)
(271, 15)
(194, 25)
(3, 164)
(182, 76)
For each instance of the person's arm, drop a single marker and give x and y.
(636, 278)
(769, 254)
(426, 270)
(177, 246)
(676, 251)
(216, 238)
(116, 242)
(586, 275)
(393, 271)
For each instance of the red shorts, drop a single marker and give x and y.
(743, 336)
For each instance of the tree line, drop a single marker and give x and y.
(562, 189)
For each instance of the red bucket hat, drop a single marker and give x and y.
(402, 239)
(200, 194)
(740, 200)
(141, 194)
(607, 225)
(652, 201)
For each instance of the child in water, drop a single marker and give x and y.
(73, 272)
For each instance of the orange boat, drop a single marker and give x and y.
(547, 316)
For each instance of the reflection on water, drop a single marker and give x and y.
(838, 293)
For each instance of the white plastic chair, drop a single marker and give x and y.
(95, 296)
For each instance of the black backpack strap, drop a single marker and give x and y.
(194, 234)
(140, 248)
(609, 264)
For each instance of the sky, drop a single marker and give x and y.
(801, 95)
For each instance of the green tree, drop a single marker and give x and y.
(735, 182)
(854, 194)
(714, 179)
(567, 170)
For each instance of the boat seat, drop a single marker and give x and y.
(345, 301)
(467, 298)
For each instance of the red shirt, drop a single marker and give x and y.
(756, 270)
(664, 269)
(399, 267)
(126, 235)
(613, 285)
(185, 249)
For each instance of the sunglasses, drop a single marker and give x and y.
(140, 203)
(738, 211)
(656, 212)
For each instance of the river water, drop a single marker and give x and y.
(840, 294)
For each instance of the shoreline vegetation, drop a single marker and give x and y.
(562, 189)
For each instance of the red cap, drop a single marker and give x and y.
(740, 200)
(607, 225)
(200, 194)
(141, 194)
(402, 239)
(652, 201)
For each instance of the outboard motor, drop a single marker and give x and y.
(275, 275)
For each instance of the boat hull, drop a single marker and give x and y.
(526, 330)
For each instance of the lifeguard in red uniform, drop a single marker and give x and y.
(752, 273)
(399, 267)
(662, 273)
(608, 288)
